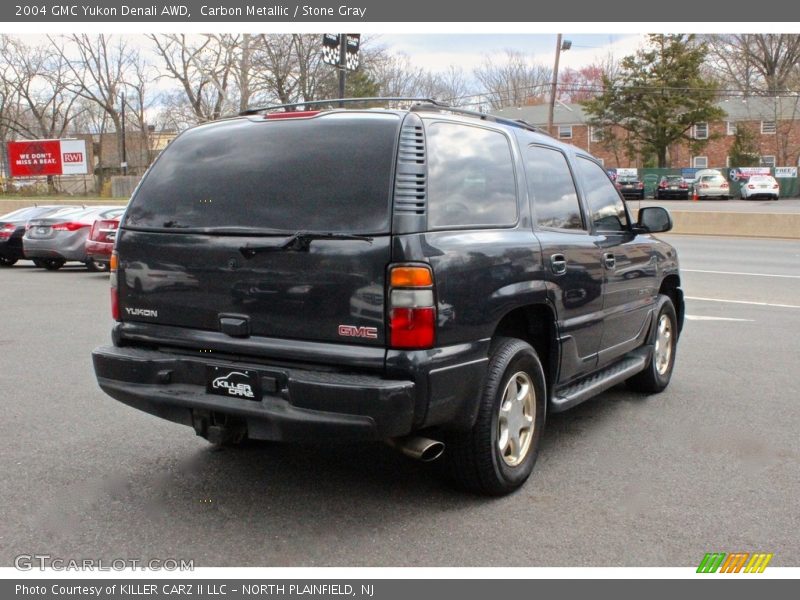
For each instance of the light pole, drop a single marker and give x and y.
(124, 164)
(560, 47)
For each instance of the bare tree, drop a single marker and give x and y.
(204, 67)
(513, 81)
(100, 66)
(755, 63)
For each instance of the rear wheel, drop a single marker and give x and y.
(53, 264)
(96, 267)
(498, 454)
(7, 262)
(655, 378)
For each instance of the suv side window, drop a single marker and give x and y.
(471, 178)
(605, 205)
(552, 189)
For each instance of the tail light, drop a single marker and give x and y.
(101, 230)
(725, 185)
(412, 312)
(69, 226)
(775, 186)
(684, 185)
(640, 185)
(751, 186)
(112, 267)
(7, 230)
(703, 185)
(662, 185)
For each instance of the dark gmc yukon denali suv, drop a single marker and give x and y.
(431, 277)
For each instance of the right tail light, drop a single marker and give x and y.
(114, 287)
(412, 311)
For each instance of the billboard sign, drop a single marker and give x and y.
(38, 158)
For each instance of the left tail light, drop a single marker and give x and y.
(69, 226)
(112, 267)
(640, 186)
(412, 312)
(7, 230)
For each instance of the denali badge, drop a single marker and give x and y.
(362, 332)
(142, 312)
(234, 388)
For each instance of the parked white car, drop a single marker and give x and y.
(708, 186)
(761, 186)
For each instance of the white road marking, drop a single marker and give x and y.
(702, 318)
(741, 273)
(742, 302)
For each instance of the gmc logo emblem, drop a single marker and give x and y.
(359, 332)
(73, 157)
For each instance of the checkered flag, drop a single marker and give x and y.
(330, 49)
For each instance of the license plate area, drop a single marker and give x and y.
(244, 384)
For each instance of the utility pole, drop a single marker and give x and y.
(124, 163)
(342, 64)
(566, 45)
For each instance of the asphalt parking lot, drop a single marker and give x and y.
(710, 465)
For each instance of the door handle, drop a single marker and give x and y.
(558, 264)
(609, 261)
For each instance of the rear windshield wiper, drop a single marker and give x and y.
(300, 242)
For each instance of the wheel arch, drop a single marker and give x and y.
(536, 325)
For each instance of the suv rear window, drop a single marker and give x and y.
(331, 173)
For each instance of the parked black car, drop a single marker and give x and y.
(631, 187)
(432, 277)
(672, 186)
(12, 229)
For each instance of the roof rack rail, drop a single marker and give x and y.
(483, 116)
(420, 104)
(335, 101)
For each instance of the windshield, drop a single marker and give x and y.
(331, 173)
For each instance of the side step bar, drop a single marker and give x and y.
(573, 394)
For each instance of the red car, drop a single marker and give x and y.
(100, 242)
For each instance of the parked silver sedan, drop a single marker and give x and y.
(61, 237)
(712, 185)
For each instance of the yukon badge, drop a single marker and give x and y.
(359, 332)
(141, 312)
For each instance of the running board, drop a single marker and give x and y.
(590, 386)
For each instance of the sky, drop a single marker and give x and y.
(438, 51)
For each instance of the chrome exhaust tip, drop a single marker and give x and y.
(418, 448)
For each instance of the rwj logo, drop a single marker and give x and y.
(737, 562)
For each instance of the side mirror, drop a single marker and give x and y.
(654, 219)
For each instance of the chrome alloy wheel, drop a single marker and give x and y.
(663, 350)
(516, 420)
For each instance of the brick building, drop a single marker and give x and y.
(140, 150)
(774, 123)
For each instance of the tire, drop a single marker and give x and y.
(53, 264)
(655, 378)
(474, 459)
(7, 262)
(96, 267)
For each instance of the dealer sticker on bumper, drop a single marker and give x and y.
(233, 383)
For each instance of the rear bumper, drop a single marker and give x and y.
(296, 404)
(99, 252)
(67, 248)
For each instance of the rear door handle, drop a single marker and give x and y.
(558, 264)
(609, 261)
